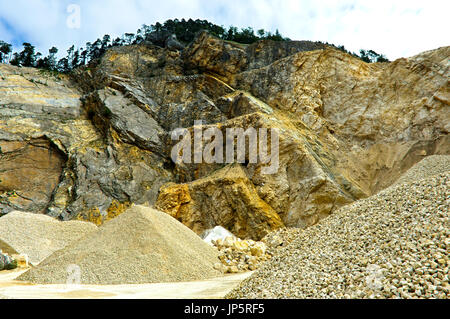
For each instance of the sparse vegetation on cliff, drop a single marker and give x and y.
(184, 31)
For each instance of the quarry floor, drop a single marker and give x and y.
(205, 289)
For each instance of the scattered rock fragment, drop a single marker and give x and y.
(238, 255)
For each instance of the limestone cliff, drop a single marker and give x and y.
(89, 145)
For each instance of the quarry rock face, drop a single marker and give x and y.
(102, 138)
(226, 197)
(31, 169)
(208, 54)
(54, 160)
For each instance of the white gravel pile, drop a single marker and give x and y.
(142, 245)
(429, 166)
(392, 245)
(38, 236)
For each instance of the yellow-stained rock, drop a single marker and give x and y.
(94, 215)
(226, 198)
(174, 200)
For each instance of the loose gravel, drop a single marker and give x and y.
(429, 166)
(142, 245)
(392, 245)
(38, 236)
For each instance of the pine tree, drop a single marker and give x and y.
(70, 53)
(105, 42)
(128, 38)
(15, 59)
(52, 58)
(63, 65)
(27, 57)
(5, 50)
(261, 33)
(75, 62)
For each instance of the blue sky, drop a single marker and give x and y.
(395, 28)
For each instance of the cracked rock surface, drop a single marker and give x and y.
(90, 145)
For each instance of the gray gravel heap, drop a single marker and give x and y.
(428, 166)
(142, 245)
(38, 236)
(392, 245)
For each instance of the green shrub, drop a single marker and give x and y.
(7, 263)
(11, 265)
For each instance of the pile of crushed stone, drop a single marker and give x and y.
(38, 236)
(392, 245)
(428, 166)
(142, 245)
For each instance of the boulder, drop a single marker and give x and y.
(215, 233)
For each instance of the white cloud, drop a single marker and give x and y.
(400, 28)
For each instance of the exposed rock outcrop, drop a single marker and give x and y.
(226, 197)
(208, 54)
(31, 171)
(56, 160)
(347, 129)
